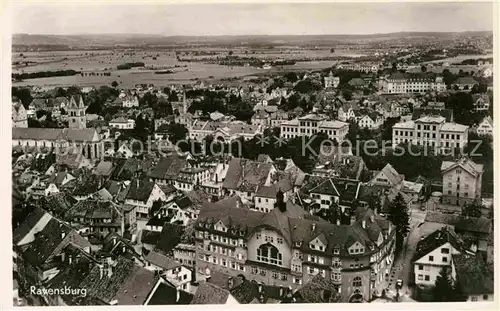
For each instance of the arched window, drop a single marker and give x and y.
(356, 282)
(269, 254)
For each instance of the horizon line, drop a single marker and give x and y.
(247, 35)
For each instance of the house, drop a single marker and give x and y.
(278, 117)
(168, 168)
(485, 127)
(260, 118)
(252, 292)
(122, 123)
(142, 194)
(464, 83)
(331, 81)
(185, 254)
(121, 283)
(244, 177)
(433, 253)
(481, 102)
(462, 181)
(371, 121)
(130, 101)
(346, 112)
(40, 259)
(171, 270)
(474, 276)
(311, 124)
(125, 150)
(102, 217)
(340, 191)
(19, 115)
(56, 181)
(388, 177)
(32, 224)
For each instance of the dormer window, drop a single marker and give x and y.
(336, 251)
(298, 243)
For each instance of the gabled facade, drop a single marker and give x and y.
(462, 181)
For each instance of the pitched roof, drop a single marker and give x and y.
(246, 175)
(166, 294)
(104, 168)
(169, 167)
(76, 102)
(161, 260)
(437, 239)
(423, 111)
(29, 222)
(208, 293)
(140, 190)
(465, 80)
(473, 168)
(318, 290)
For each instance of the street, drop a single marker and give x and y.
(402, 267)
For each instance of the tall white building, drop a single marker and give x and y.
(313, 124)
(432, 131)
(399, 83)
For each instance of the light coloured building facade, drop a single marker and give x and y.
(292, 253)
(431, 131)
(313, 124)
(485, 127)
(462, 181)
(122, 123)
(403, 84)
(19, 115)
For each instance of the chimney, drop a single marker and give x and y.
(338, 221)
(123, 249)
(114, 240)
(178, 297)
(260, 287)
(313, 227)
(70, 259)
(63, 235)
(101, 272)
(281, 291)
(110, 271)
(363, 224)
(230, 282)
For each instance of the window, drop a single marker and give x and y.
(275, 275)
(280, 240)
(258, 236)
(254, 270)
(284, 277)
(269, 254)
(427, 278)
(485, 297)
(356, 282)
(431, 258)
(420, 267)
(473, 298)
(445, 250)
(311, 270)
(296, 280)
(420, 277)
(445, 259)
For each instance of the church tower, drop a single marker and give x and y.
(76, 113)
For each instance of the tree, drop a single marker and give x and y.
(472, 210)
(459, 294)
(155, 208)
(24, 95)
(114, 84)
(347, 94)
(176, 132)
(400, 217)
(443, 290)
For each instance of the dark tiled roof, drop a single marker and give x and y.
(166, 294)
(140, 190)
(208, 293)
(29, 222)
(436, 239)
(246, 174)
(57, 203)
(169, 167)
(104, 168)
(136, 287)
(475, 275)
(248, 291)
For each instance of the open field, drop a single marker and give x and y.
(460, 58)
(184, 72)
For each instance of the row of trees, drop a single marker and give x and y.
(44, 74)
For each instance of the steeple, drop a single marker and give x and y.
(76, 113)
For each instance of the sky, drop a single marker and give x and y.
(250, 18)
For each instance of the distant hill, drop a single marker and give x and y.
(146, 39)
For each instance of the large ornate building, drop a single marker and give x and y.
(285, 247)
(313, 124)
(400, 83)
